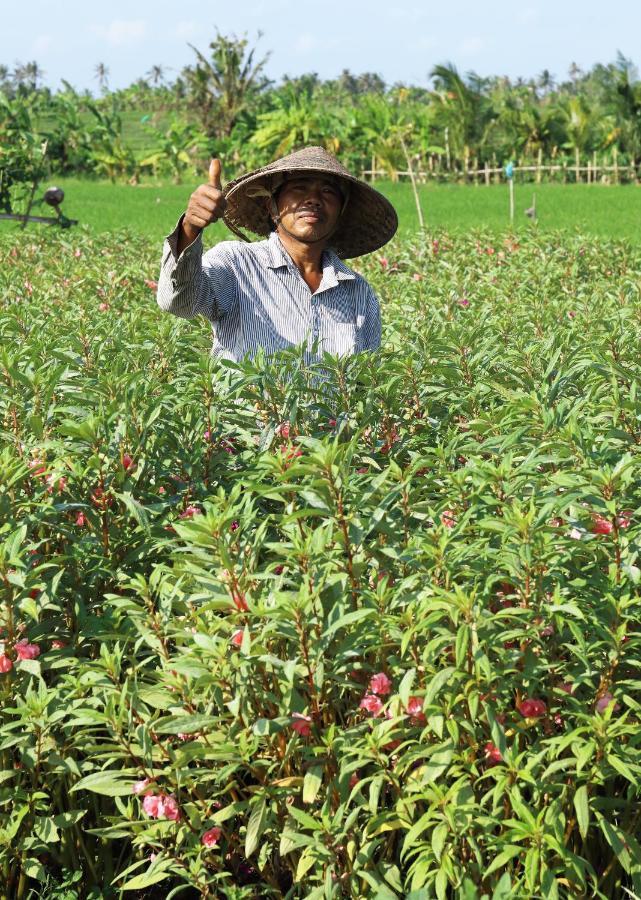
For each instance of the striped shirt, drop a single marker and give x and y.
(255, 297)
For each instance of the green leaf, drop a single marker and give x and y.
(111, 784)
(502, 859)
(582, 807)
(405, 687)
(503, 889)
(437, 683)
(144, 881)
(186, 724)
(439, 836)
(312, 783)
(255, 827)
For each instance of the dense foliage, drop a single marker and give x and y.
(371, 631)
(224, 104)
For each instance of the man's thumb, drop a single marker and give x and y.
(214, 174)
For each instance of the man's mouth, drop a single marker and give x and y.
(310, 215)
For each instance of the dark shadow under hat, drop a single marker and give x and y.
(368, 221)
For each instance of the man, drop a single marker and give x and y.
(292, 288)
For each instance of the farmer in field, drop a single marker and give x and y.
(293, 287)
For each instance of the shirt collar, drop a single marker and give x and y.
(334, 269)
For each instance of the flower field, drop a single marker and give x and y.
(369, 631)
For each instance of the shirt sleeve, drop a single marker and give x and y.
(194, 284)
(371, 328)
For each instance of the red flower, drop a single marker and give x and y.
(371, 703)
(605, 701)
(624, 518)
(414, 709)
(301, 724)
(57, 644)
(283, 430)
(6, 665)
(81, 519)
(380, 684)
(492, 754)
(600, 525)
(127, 462)
(161, 806)
(448, 519)
(237, 638)
(384, 262)
(140, 786)
(25, 650)
(532, 709)
(152, 285)
(210, 838)
(189, 512)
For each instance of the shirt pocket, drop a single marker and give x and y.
(341, 338)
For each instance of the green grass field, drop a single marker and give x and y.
(606, 212)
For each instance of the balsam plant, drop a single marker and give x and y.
(369, 630)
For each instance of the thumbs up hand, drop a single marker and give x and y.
(206, 205)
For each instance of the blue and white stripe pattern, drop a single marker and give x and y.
(255, 297)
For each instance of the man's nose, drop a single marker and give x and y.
(313, 196)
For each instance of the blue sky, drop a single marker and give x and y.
(399, 39)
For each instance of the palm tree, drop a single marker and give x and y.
(156, 75)
(230, 77)
(464, 111)
(101, 73)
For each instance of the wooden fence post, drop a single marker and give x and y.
(487, 174)
(615, 158)
(539, 163)
(373, 167)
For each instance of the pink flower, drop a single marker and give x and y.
(371, 703)
(127, 462)
(161, 806)
(492, 754)
(600, 525)
(150, 804)
(278, 570)
(417, 276)
(380, 684)
(463, 301)
(237, 638)
(567, 687)
(81, 519)
(25, 650)
(140, 786)
(448, 519)
(301, 724)
(414, 709)
(183, 736)
(234, 526)
(283, 429)
(604, 701)
(210, 838)
(624, 518)
(103, 307)
(532, 709)
(6, 665)
(189, 512)
(152, 285)
(77, 252)
(384, 262)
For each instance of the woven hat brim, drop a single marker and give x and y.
(368, 222)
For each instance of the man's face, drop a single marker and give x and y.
(309, 207)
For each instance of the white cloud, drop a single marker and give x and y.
(42, 43)
(122, 31)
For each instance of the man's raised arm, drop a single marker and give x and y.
(183, 287)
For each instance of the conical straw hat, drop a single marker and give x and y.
(368, 221)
